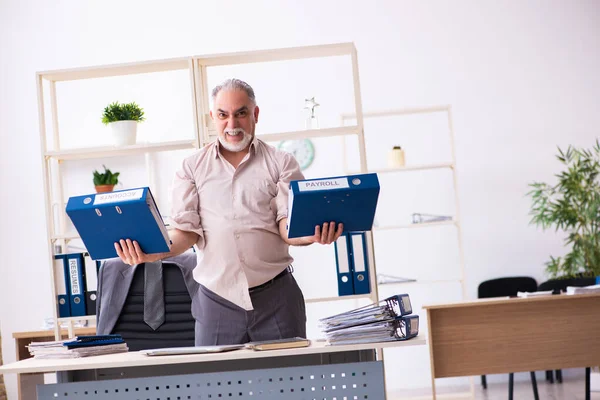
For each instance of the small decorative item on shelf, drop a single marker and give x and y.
(123, 120)
(396, 157)
(105, 182)
(312, 121)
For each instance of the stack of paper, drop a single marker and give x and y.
(583, 289)
(81, 346)
(388, 320)
(535, 294)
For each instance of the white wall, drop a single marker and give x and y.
(521, 77)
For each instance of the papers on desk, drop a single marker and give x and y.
(388, 320)
(583, 289)
(81, 346)
(535, 294)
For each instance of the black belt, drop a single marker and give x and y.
(267, 283)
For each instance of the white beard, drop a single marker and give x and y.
(235, 147)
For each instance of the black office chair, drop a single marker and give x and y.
(501, 287)
(558, 286)
(178, 330)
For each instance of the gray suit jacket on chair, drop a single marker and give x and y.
(114, 280)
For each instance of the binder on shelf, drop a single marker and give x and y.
(360, 263)
(105, 218)
(76, 271)
(91, 284)
(351, 200)
(61, 278)
(344, 270)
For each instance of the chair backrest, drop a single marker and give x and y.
(508, 286)
(560, 284)
(178, 330)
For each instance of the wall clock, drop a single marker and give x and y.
(302, 150)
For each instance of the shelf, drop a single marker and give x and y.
(420, 167)
(116, 70)
(112, 151)
(81, 318)
(281, 54)
(304, 134)
(414, 226)
(400, 111)
(422, 282)
(338, 298)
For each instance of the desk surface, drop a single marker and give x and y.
(509, 300)
(136, 359)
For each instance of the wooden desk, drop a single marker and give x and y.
(271, 372)
(26, 382)
(492, 336)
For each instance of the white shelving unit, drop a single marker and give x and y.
(456, 220)
(197, 66)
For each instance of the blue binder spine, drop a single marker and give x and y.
(344, 271)
(360, 263)
(61, 282)
(91, 284)
(76, 273)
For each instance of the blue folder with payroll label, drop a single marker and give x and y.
(351, 200)
(105, 218)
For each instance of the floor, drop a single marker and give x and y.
(571, 389)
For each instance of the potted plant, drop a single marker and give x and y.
(123, 120)
(105, 182)
(573, 206)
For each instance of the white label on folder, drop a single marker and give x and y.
(117, 197)
(75, 284)
(324, 184)
(342, 253)
(359, 254)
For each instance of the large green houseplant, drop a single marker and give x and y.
(572, 205)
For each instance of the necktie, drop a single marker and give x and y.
(154, 296)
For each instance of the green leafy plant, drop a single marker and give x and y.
(122, 112)
(106, 178)
(572, 205)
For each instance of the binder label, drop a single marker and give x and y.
(323, 184)
(117, 197)
(75, 284)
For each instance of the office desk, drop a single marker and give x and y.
(26, 383)
(317, 370)
(492, 336)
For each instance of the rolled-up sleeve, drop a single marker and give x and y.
(185, 210)
(290, 171)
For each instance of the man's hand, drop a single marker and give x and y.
(328, 234)
(130, 253)
(323, 235)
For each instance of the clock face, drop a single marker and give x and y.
(302, 150)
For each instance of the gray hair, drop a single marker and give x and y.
(234, 84)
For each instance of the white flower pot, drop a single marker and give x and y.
(124, 132)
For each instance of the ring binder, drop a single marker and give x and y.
(386, 320)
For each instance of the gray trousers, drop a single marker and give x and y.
(279, 313)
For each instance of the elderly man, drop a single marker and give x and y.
(230, 199)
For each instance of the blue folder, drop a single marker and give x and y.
(351, 200)
(104, 218)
